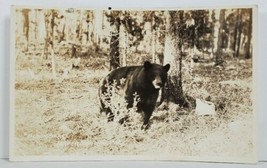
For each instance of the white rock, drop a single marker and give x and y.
(204, 107)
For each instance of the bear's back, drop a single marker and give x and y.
(123, 72)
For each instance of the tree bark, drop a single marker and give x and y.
(123, 44)
(221, 25)
(26, 26)
(172, 55)
(248, 52)
(238, 32)
(98, 19)
(49, 40)
(212, 37)
(153, 39)
(114, 42)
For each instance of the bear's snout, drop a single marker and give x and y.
(157, 83)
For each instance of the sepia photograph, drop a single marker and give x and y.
(133, 84)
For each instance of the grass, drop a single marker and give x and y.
(61, 116)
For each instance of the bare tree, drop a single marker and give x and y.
(123, 44)
(114, 55)
(248, 45)
(50, 25)
(221, 31)
(98, 21)
(238, 32)
(26, 26)
(173, 56)
(154, 34)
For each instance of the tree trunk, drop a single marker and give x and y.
(78, 39)
(53, 60)
(235, 32)
(172, 55)
(47, 35)
(114, 42)
(153, 45)
(49, 40)
(26, 26)
(221, 26)
(247, 50)
(214, 31)
(153, 40)
(98, 19)
(41, 26)
(123, 44)
(238, 32)
(35, 28)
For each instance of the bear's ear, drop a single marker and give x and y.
(167, 67)
(147, 65)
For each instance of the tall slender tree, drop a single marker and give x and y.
(26, 26)
(114, 55)
(238, 32)
(221, 31)
(98, 21)
(173, 56)
(248, 45)
(50, 17)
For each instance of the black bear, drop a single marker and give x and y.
(145, 81)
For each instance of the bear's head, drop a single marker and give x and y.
(156, 74)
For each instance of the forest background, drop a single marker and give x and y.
(61, 50)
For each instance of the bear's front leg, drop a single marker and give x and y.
(147, 115)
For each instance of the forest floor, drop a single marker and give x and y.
(61, 116)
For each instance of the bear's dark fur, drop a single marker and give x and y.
(144, 80)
